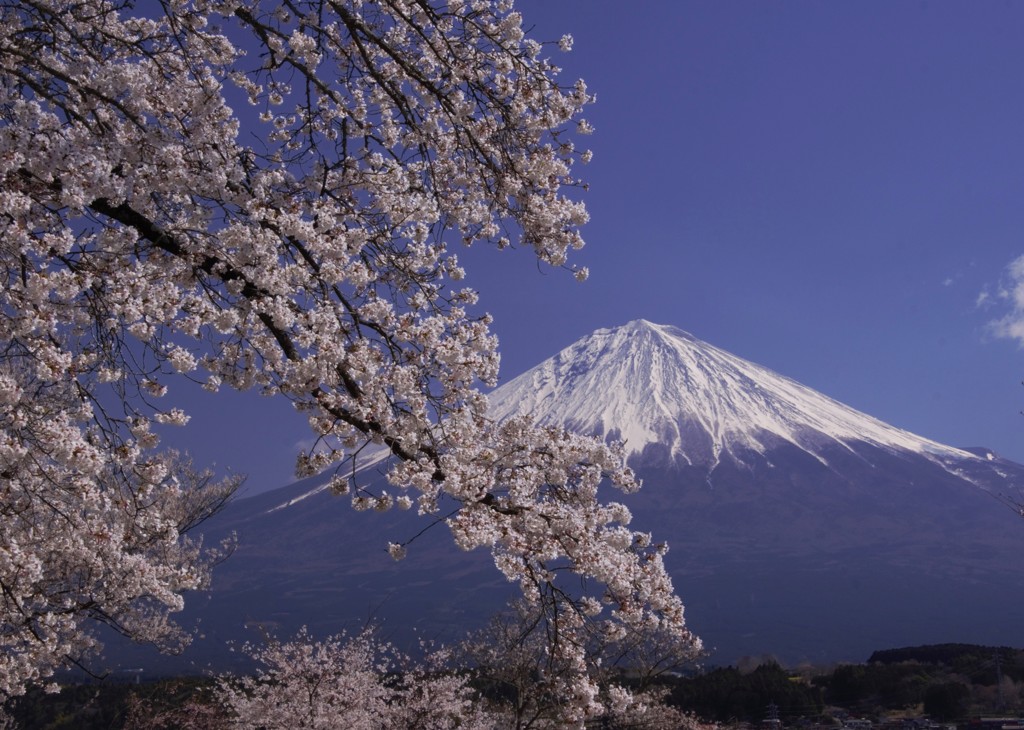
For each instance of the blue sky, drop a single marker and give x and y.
(827, 189)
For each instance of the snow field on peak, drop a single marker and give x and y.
(654, 384)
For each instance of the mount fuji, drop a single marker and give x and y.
(661, 390)
(798, 526)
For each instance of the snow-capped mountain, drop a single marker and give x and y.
(795, 522)
(657, 386)
(797, 525)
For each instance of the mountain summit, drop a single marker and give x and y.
(660, 389)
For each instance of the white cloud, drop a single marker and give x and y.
(1010, 293)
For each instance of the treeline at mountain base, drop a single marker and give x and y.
(944, 682)
(948, 683)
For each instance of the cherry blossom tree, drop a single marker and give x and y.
(97, 547)
(360, 683)
(266, 195)
(516, 662)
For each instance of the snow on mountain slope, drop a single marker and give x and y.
(655, 384)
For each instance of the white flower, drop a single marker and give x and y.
(154, 388)
(181, 360)
(173, 417)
